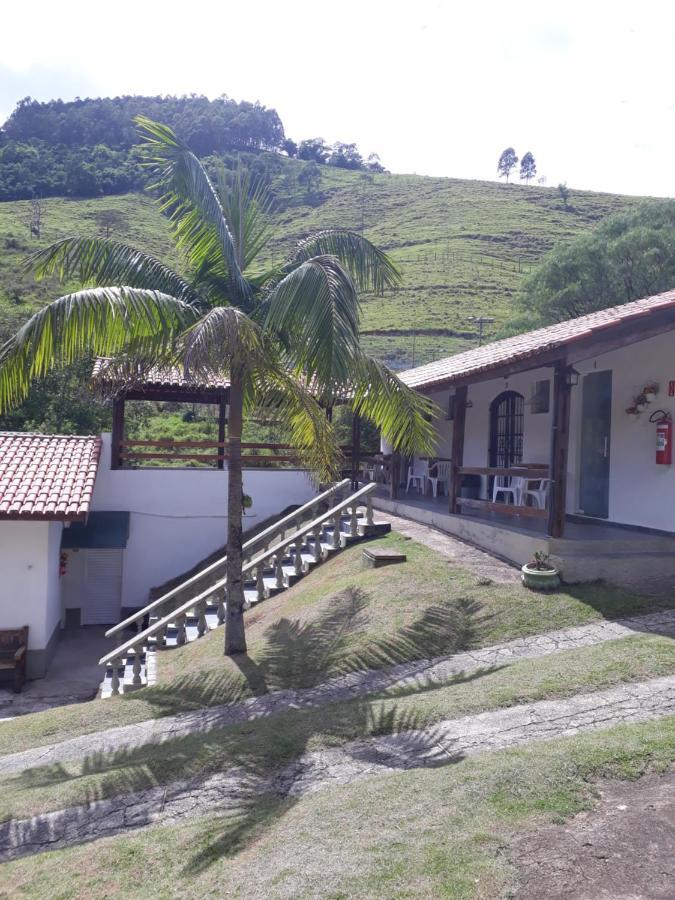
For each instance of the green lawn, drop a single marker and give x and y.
(344, 617)
(273, 742)
(442, 832)
(463, 247)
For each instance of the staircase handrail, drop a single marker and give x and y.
(248, 547)
(160, 624)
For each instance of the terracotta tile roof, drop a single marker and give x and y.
(47, 476)
(108, 373)
(532, 343)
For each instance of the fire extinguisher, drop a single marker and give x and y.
(664, 436)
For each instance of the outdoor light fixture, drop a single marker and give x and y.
(571, 377)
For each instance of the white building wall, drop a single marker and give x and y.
(537, 426)
(640, 491)
(179, 516)
(29, 587)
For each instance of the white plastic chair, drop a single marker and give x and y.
(442, 477)
(508, 484)
(539, 493)
(417, 475)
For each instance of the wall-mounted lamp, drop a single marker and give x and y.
(571, 377)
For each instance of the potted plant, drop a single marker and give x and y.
(539, 573)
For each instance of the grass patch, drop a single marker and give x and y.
(344, 617)
(266, 744)
(463, 247)
(427, 833)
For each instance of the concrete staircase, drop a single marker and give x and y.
(172, 620)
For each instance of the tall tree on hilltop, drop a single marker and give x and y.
(528, 167)
(507, 163)
(271, 330)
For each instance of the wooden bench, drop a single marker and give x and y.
(13, 650)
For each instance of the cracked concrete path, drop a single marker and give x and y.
(479, 562)
(443, 744)
(413, 675)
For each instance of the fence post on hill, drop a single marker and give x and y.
(559, 449)
(457, 453)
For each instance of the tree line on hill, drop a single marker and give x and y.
(86, 148)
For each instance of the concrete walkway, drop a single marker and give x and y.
(444, 744)
(74, 675)
(465, 555)
(416, 674)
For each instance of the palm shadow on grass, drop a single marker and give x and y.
(297, 655)
(265, 756)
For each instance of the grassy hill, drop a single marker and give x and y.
(463, 246)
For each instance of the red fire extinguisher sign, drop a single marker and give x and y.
(664, 437)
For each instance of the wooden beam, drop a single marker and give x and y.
(457, 453)
(175, 396)
(117, 436)
(356, 449)
(559, 451)
(395, 475)
(507, 509)
(631, 332)
(530, 471)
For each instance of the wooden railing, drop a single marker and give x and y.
(211, 453)
(530, 472)
(216, 569)
(255, 568)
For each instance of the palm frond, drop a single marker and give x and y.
(224, 337)
(104, 321)
(315, 312)
(370, 268)
(247, 205)
(403, 416)
(102, 261)
(303, 420)
(190, 199)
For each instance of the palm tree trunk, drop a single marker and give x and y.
(235, 636)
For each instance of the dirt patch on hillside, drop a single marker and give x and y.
(623, 849)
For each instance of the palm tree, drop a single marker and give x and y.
(275, 331)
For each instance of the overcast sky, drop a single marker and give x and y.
(437, 88)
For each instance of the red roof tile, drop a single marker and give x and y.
(47, 476)
(532, 343)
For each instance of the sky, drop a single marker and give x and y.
(435, 88)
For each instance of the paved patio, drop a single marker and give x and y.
(73, 677)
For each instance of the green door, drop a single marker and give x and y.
(596, 421)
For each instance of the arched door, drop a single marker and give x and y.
(506, 429)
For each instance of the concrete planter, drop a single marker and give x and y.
(540, 579)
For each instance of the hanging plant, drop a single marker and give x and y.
(649, 391)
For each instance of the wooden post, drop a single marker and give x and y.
(395, 475)
(222, 422)
(458, 424)
(559, 450)
(117, 438)
(356, 450)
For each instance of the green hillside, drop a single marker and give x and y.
(463, 246)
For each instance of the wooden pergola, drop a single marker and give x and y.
(127, 384)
